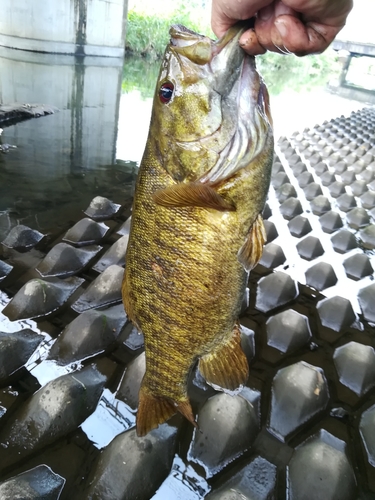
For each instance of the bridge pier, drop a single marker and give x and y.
(77, 27)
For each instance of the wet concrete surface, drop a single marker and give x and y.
(302, 428)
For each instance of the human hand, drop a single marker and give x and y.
(297, 26)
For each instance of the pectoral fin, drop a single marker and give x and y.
(251, 251)
(227, 366)
(192, 195)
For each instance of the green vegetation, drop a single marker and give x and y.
(148, 35)
(140, 73)
(283, 72)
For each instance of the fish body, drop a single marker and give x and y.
(196, 226)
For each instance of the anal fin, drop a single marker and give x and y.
(194, 194)
(155, 410)
(251, 251)
(227, 366)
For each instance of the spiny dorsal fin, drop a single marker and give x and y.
(227, 366)
(192, 195)
(251, 251)
(154, 410)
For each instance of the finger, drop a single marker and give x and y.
(226, 14)
(287, 33)
(265, 28)
(249, 42)
(300, 38)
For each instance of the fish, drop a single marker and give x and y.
(196, 227)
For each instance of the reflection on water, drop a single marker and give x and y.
(63, 160)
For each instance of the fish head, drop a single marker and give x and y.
(211, 108)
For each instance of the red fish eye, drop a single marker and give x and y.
(166, 92)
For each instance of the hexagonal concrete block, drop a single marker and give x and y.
(64, 260)
(359, 187)
(336, 189)
(298, 168)
(299, 392)
(357, 218)
(5, 270)
(271, 231)
(348, 177)
(366, 299)
(275, 290)
(336, 313)
(39, 298)
(327, 178)
(330, 221)
(321, 276)
(40, 483)
(310, 248)
(294, 160)
(299, 226)
(355, 365)
(319, 166)
(279, 179)
(235, 420)
(340, 167)
(312, 190)
(358, 266)
(272, 256)
(346, 202)
(344, 241)
(132, 466)
(368, 199)
(22, 238)
(367, 430)
(103, 291)
(266, 214)
(290, 208)
(256, 481)
(320, 469)
(366, 175)
(320, 205)
(304, 179)
(86, 232)
(367, 236)
(288, 331)
(101, 208)
(285, 192)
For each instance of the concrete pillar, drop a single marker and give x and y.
(79, 27)
(52, 151)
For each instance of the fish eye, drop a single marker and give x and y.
(166, 92)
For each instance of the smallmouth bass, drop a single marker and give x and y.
(196, 227)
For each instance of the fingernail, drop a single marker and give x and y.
(265, 13)
(281, 27)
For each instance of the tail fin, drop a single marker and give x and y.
(154, 410)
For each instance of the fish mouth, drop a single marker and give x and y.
(201, 49)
